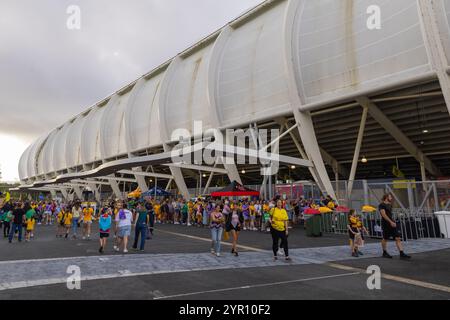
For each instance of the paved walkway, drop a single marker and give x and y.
(32, 273)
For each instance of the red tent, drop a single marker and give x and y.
(235, 189)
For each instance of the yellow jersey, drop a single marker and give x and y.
(68, 219)
(88, 214)
(279, 217)
(30, 224)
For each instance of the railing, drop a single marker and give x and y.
(413, 225)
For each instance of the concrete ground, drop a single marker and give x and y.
(177, 265)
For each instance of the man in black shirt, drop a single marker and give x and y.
(390, 230)
(18, 221)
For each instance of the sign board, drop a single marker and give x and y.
(403, 184)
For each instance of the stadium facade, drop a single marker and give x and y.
(337, 88)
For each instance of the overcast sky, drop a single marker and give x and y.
(49, 73)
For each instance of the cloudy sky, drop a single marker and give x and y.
(49, 73)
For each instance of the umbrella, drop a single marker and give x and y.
(311, 211)
(325, 210)
(368, 209)
(342, 209)
(135, 194)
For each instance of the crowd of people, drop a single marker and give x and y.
(74, 220)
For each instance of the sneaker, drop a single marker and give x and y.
(275, 258)
(116, 249)
(218, 254)
(355, 254)
(236, 254)
(100, 250)
(84, 238)
(125, 251)
(288, 259)
(405, 257)
(213, 251)
(360, 253)
(387, 255)
(280, 252)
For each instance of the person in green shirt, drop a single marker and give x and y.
(184, 212)
(7, 217)
(141, 221)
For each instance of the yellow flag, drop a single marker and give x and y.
(397, 172)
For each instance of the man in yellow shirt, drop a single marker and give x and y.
(279, 230)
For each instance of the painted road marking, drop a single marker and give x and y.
(417, 283)
(271, 284)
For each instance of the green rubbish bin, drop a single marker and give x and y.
(327, 222)
(313, 225)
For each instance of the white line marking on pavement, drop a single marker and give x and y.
(257, 286)
(417, 283)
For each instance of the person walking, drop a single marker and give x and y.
(76, 214)
(279, 230)
(353, 233)
(233, 225)
(141, 225)
(30, 223)
(87, 222)
(104, 222)
(390, 228)
(123, 221)
(216, 226)
(67, 222)
(184, 212)
(7, 218)
(18, 221)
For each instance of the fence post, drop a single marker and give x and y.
(410, 197)
(436, 198)
(366, 192)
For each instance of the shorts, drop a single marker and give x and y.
(252, 217)
(124, 231)
(246, 216)
(351, 235)
(104, 235)
(391, 233)
(231, 228)
(87, 222)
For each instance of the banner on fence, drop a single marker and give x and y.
(403, 184)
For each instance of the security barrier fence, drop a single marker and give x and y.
(412, 225)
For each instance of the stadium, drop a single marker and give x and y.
(350, 102)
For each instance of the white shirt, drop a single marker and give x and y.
(124, 222)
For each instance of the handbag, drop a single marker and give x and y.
(226, 236)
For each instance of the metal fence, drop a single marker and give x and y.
(412, 225)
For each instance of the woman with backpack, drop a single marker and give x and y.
(123, 221)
